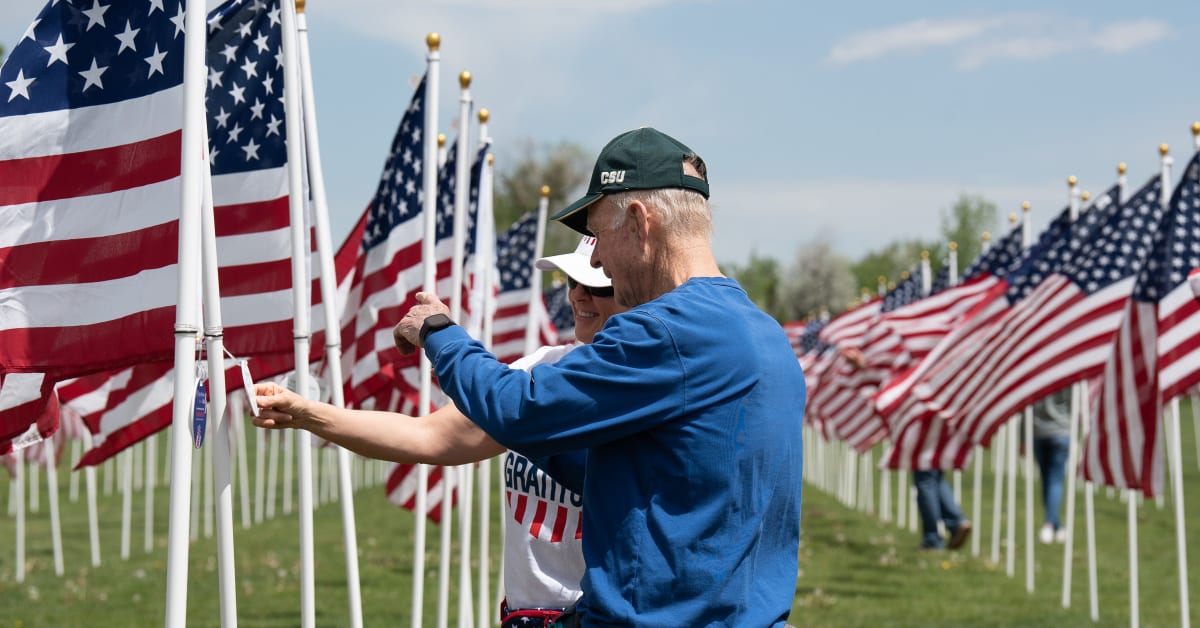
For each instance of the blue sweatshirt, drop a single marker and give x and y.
(690, 407)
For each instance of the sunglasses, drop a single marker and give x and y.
(596, 292)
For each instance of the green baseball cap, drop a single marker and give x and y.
(642, 159)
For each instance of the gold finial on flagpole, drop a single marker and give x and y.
(441, 140)
(882, 279)
(299, 6)
(1121, 168)
(483, 116)
(891, 286)
(1085, 196)
(1012, 219)
(953, 246)
(903, 275)
(491, 159)
(433, 41)
(1196, 128)
(1071, 180)
(545, 191)
(985, 236)
(925, 255)
(1025, 206)
(866, 293)
(464, 79)
(1162, 149)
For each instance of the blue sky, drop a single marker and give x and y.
(853, 123)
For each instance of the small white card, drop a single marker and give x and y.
(248, 384)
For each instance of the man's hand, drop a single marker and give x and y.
(407, 331)
(279, 407)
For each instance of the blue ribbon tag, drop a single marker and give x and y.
(200, 407)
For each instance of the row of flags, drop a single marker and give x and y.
(90, 136)
(1102, 299)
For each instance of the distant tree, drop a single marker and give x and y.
(760, 279)
(564, 166)
(893, 259)
(818, 278)
(964, 223)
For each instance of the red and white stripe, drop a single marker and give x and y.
(1005, 358)
(545, 520)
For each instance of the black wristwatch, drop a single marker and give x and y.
(432, 324)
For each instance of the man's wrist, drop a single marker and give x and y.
(432, 324)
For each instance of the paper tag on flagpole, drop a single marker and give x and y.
(200, 407)
(248, 384)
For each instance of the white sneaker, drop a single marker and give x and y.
(1046, 534)
(1060, 536)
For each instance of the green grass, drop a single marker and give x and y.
(854, 569)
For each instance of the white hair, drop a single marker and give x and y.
(684, 212)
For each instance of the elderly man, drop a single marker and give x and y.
(689, 405)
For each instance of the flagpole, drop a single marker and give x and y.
(1171, 423)
(51, 461)
(328, 287)
(300, 301)
(1027, 240)
(533, 322)
(219, 439)
(483, 255)
(433, 42)
(1074, 197)
(461, 191)
(192, 165)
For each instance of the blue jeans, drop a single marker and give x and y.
(1051, 454)
(935, 503)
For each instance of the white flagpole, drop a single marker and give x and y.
(77, 453)
(428, 255)
(34, 490)
(483, 263)
(237, 416)
(89, 475)
(1089, 505)
(300, 302)
(1175, 462)
(49, 457)
(999, 451)
(1171, 425)
(272, 471)
(329, 304)
(464, 472)
(207, 456)
(148, 485)
(1027, 241)
(18, 486)
(187, 323)
(1072, 470)
(217, 449)
(125, 474)
(533, 322)
(186, 311)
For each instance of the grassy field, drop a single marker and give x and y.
(854, 569)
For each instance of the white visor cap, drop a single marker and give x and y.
(577, 265)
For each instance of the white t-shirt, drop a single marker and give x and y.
(543, 550)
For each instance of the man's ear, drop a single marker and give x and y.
(639, 220)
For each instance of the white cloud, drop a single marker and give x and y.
(976, 42)
(908, 37)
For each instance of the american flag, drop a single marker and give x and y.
(844, 331)
(91, 105)
(387, 275)
(558, 306)
(843, 396)
(1053, 324)
(1157, 355)
(515, 256)
(248, 160)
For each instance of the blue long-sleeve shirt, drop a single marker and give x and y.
(690, 407)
